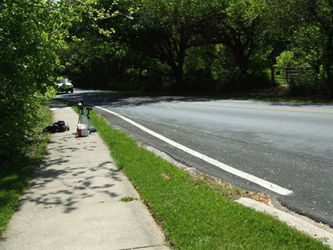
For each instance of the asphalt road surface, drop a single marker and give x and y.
(284, 150)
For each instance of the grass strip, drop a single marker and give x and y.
(15, 175)
(193, 215)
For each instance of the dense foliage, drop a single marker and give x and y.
(177, 45)
(31, 33)
(310, 35)
(201, 46)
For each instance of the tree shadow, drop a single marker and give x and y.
(70, 176)
(58, 105)
(122, 100)
(69, 187)
(126, 100)
(298, 104)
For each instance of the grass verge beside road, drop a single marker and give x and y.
(193, 214)
(16, 174)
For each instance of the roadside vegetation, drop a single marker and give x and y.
(192, 213)
(16, 172)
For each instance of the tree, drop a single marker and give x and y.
(312, 22)
(163, 30)
(95, 59)
(242, 27)
(31, 33)
(321, 17)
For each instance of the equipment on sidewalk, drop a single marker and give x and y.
(82, 130)
(59, 126)
(84, 119)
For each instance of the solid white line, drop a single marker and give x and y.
(249, 177)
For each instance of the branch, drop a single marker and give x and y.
(315, 15)
(148, 68)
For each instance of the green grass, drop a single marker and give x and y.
(127, 199)
(193, 214)
(15, 175)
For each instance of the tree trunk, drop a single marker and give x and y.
(177, 70)
(328, 65)
(328, 57)
(242, 62)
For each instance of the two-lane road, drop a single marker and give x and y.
(282, 149)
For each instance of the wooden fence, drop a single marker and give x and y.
(283, 76)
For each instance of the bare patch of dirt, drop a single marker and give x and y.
(225, 189)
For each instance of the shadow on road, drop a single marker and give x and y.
(125, 100)
(120, 100)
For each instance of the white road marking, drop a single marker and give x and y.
(266, 184)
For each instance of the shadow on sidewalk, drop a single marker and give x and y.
(75, 171)
(68, 187)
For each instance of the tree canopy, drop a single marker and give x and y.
(31, 35)
(240, 40)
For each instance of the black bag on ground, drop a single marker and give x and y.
(59, 126)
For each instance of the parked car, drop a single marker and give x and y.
(64, 85)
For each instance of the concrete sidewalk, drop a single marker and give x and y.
(73, 201)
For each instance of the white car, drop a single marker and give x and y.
(64, 85)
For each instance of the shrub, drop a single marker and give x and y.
(285, 59)
(307, 85)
